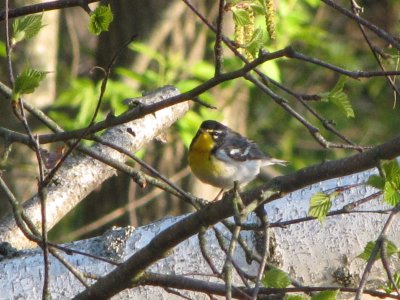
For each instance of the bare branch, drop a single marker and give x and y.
(378, 31)
(46, 6)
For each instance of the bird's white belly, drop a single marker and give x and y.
(242, 172)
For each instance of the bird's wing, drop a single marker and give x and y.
(239, 148)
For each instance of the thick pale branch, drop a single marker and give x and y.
(81, 174)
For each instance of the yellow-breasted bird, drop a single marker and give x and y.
(220, 156)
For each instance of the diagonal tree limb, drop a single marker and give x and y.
(81, 174)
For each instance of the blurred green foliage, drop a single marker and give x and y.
(75, 106)
(82, 96)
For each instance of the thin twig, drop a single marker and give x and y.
(41, 7)
(8, 47)
(385, 263)
(375, 252)
(70, 251)
(378, 31)
(356, 10)
(204, 252)
(262, 215)
(186, 196)
(218, 38)
(314, 131)
(182, 282)
(228, 262)
(42, 196)
(176, 293)
(221, 239)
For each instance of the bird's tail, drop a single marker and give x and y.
(274, 161)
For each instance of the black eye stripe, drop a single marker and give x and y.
(216, 134)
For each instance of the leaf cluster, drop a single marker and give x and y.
(339, 98)
(320, 204)
(251, 36)
(388, 182)
(100, 19)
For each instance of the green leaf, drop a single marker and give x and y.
(256, 42)
(296, 297)
(320, 204)
(28, 81)
(391, 186)
(258, 7)
(337, 97)
(100, 19)
(3, 51)
(388, 287)
(391, 170)
(391, 193)
(325, 295)
(241, 16)
(275, 278)
(391, 249)
(376, 181)
(26, 27)
(366, 254)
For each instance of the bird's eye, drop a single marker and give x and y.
(216, 135)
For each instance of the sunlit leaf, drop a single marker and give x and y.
(339, 98)
(241, 16)
(256, 42)
(100, 19)
(275, 278)
(391, 193)
(28, 81)
(391, 170)
(258, 7)
(320, 205)
(325, 295)
(26, 27)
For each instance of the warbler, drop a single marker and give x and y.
(220, 156)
